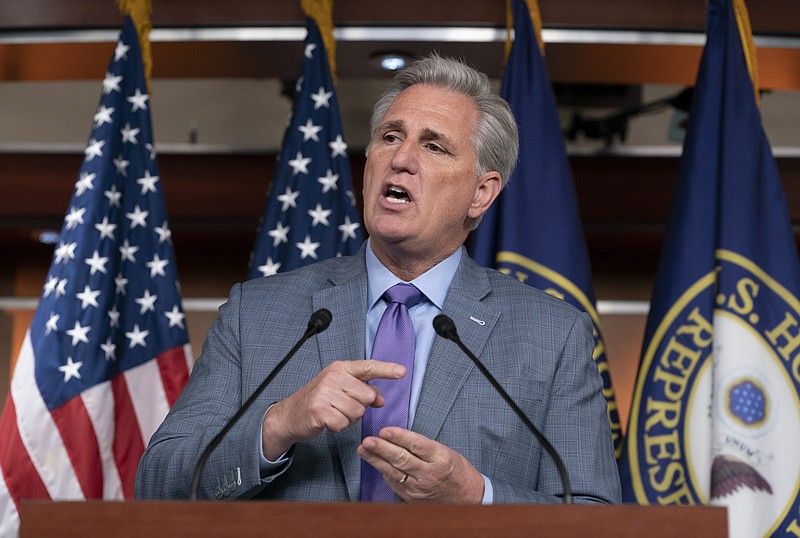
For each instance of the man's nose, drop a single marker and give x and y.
(406, 157)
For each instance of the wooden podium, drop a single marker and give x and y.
(174, 519)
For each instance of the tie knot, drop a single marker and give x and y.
(403, 293)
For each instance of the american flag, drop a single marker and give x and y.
(107, 351)
(311, 213)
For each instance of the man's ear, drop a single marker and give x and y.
(486, 190)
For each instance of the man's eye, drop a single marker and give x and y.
(389, 137)
(436, 148)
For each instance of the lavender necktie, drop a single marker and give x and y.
(394, 342)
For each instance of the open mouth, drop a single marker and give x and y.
(396, 195)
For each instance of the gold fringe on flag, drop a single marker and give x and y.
(140, 11)
(536, 20)
(322, 13)
(749, 46)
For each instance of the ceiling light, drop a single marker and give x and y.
(390, 61)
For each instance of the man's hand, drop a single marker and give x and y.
(435, 472)
(333, 400)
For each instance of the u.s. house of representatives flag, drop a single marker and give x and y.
(107, 352)
(533, 231)
(716, 411)
(311, 212)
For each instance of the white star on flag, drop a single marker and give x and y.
(148, 182)
(328, 181)
(137, 336)
(348, 229)
(163, 231)
(94, 149)
(61, 289)
(79, 333)
(308, 248)
(109, 349)
(289, 198)
(299, 164)
(321, 98)
(52, 323)
(269, 268)
(111, 83)
(71, 369)
(96, 263)
(121, 52)
(103, 115)
(127, 251)
(65, 252)
(138, 100)
(50, 286)
(120, 282)
(86, 182)
(113, 195)
(319, 215)
(106, 228)
(129, 134)
(122, 166)
(175, 317)
(280, 234)
(138, 217)
(75, 217)
(309, 49)
(157, 266)
(147, 302)
(113, 317)
(310, 131)
(338, 147)
(88, 297)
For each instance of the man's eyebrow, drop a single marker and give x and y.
(436, 136)
(393, 125)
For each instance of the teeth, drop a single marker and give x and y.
(397, 195)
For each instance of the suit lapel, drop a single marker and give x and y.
(344, 340)
(448, 367)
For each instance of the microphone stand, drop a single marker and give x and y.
(318, 322)
(446, 328)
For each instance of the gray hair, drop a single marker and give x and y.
(496, 138)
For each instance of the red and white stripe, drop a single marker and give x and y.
(88, 448)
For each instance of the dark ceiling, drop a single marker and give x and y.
(606, 56)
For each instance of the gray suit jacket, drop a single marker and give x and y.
(538, 348)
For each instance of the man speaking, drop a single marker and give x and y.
(377, 408)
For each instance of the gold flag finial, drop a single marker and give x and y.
(140, 11)
(322, 13)
(748, 45)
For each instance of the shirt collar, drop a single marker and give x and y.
(433, 283)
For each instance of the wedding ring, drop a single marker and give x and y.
(403, 480)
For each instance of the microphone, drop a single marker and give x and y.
(446, 328)
(318, 322)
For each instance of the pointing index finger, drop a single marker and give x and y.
(367, 370)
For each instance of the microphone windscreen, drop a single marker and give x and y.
(320, 320)
(444, 327)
